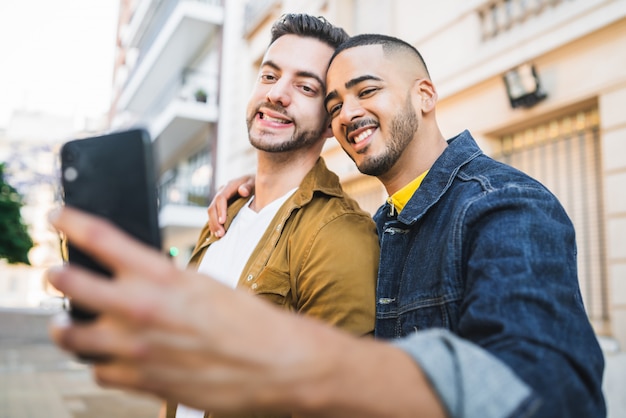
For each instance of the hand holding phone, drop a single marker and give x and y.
(111, 176)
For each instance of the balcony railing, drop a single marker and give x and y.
(255, 12)
(186, 88)
(499, 16)
(187, 196)
(189, 183)
(156, 18)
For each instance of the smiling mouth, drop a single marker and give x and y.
(273, 119)
(360, 137)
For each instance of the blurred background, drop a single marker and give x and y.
(540, 83)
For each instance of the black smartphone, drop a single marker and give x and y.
(112, 176)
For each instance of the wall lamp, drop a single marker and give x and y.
(523, 86)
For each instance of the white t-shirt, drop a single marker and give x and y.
(225, 259)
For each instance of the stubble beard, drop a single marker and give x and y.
(265, 141)
(402, 130)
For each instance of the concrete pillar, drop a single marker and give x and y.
(613, 129)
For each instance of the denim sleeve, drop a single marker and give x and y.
(522, 301)
(470, 382)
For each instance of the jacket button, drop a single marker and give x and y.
(250, 277)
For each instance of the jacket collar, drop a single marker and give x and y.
(318, 179)
(461, 150)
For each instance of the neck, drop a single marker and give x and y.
(419, 156)
(277, 174)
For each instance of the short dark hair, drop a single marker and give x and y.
(389, 44)
(308, 26)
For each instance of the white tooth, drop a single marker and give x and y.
(362, 136)
(271, 119)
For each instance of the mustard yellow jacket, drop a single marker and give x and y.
(318, 257)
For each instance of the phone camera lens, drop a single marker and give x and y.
(70, 174)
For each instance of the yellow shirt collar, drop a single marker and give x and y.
(400, 198)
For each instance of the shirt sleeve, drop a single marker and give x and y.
(470, 382)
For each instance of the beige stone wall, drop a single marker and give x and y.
(585, 71)
(613, 127)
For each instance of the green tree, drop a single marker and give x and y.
(14, 238)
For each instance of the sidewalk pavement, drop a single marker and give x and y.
(37, 380)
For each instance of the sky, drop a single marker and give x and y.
(56, 56)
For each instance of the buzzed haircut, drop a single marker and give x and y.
(308, 26)
(390, 45)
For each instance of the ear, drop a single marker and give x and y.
(328, 132)
(427, 93)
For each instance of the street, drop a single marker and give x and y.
(37, 380)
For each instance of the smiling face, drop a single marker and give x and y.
(371, 105)
(286, 108)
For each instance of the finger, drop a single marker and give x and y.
(167, 382)
(57, 328)
(97, 339)
(138, 300)
(216, 220)
(112, 247)
(117, 374)
(247, 187)
(241, 186)
(73, 281)
(221, 206)
(155, 379)
(234, 187)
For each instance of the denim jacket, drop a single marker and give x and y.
(487, 255)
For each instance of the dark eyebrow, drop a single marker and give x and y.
(304, 74)
(349, 84)
(355, 81)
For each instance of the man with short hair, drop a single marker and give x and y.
(292, 242)
(477, 285)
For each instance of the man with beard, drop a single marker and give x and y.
(293, 242)
(467, 244)
(477, 287)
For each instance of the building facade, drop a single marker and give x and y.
(166, 80)
(540, 84)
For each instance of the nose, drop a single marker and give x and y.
(279, 94)
(351, 109)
